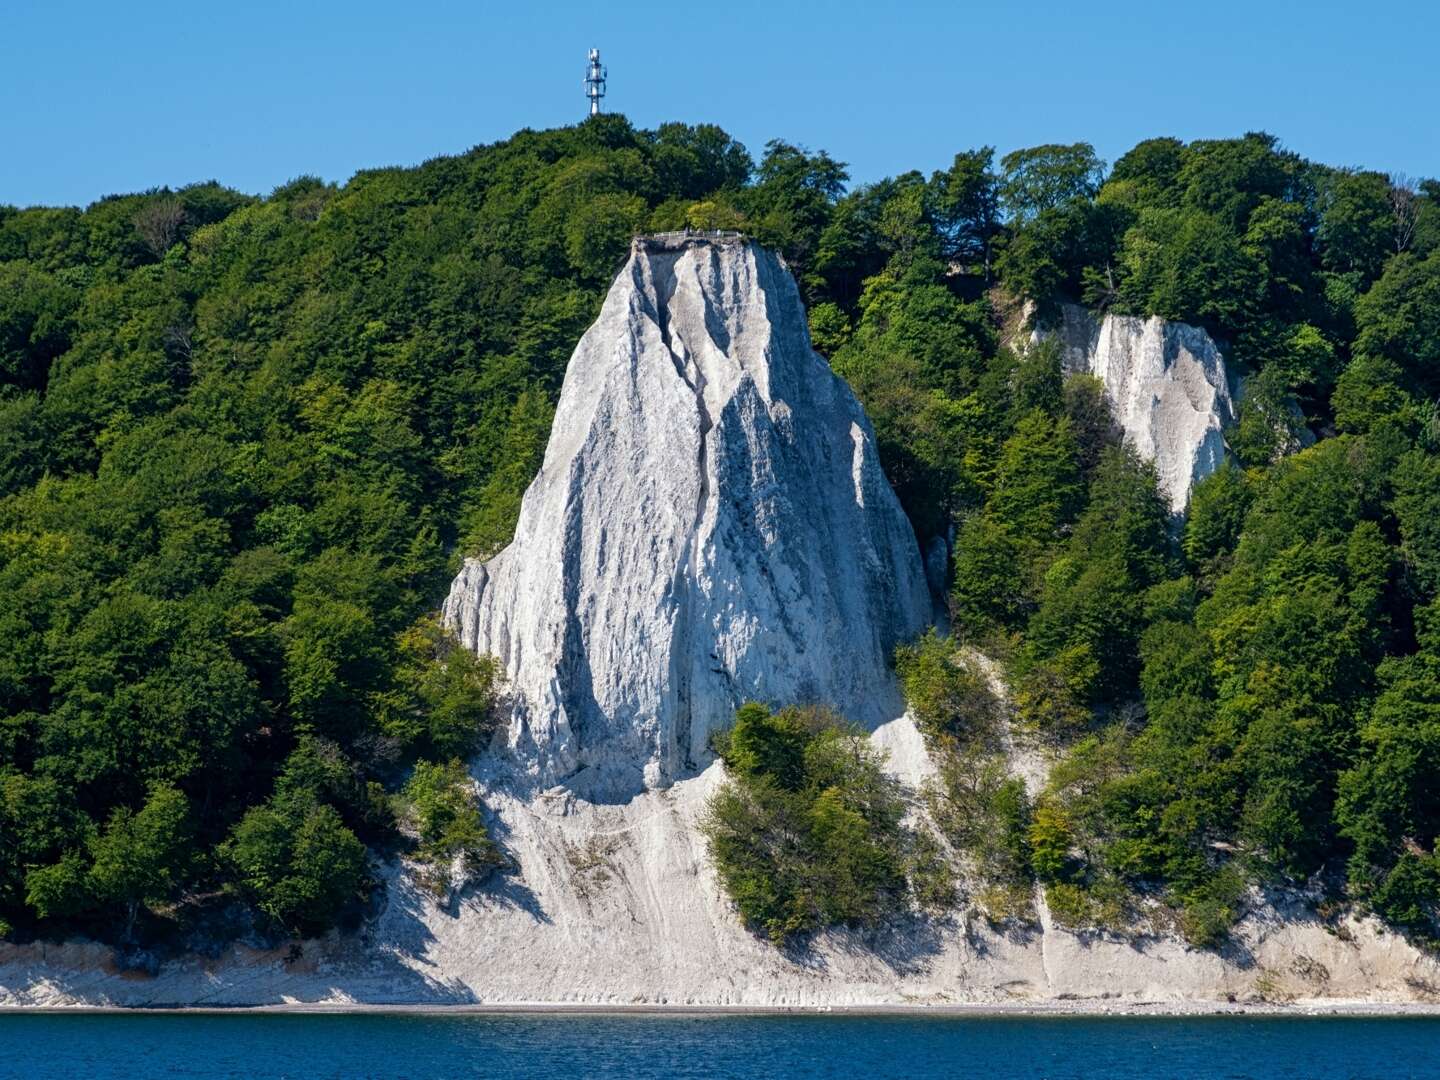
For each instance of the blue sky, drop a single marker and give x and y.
(109, 97)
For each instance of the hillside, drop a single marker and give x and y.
(246, 442)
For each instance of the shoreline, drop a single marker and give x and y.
(977, 1010)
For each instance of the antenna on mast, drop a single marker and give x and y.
(594, 82)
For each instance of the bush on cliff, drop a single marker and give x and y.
(439, 806)
(807, 830)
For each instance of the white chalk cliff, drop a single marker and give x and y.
(1166, 383)
(710, 526)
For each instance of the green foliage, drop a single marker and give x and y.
(442, 700)
(1091, 613)
(1050, 841)
(1037, 482)
(296, 860)
(947, 693)
(762, 743)
(138, 857)
(1387, 807)
(1268, 426)
(243, 441)
(965, 206)
(1210, 910)
(983, 812)
(807, 831)
(439, 804)
(1399, 320)
(1047, 177)
(1357, 224)
(1215, 517)
(60, 889)
(990, 589)
(240, 440)
(1268, 708)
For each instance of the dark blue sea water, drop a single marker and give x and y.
(629, 1047)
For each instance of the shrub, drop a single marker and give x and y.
(1407, 896)
(439, 805)
(297, 862)
(1050, 842)
(807, 832)
(983, 812)
(1210, 910)
(946, 694)
(1069, 905)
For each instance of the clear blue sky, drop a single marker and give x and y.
(102, 97)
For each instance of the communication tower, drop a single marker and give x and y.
(594, 82)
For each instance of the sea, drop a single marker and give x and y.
(628, 1047)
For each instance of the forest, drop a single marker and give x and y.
(244, 443)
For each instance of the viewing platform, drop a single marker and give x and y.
(678, 241)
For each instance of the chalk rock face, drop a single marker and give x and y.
(1167, 386)
(710, 526)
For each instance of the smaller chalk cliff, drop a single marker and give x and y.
(1166, 383)
(710, 525)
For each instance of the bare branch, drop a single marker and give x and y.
(1405, 206)
(159, 223)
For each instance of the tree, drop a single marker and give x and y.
(1386, 804)
(694, 160)
(990, 587)
(1417, 511)
(1152, 169)
(444, 697)
(1405, 210)
(1268, 426)
(598, 233)
(1399, 319)
(983, 811)
(1190, 266)
(1088, 410)
(1357, 224)
(294, 857)
(966, 207)
(790, 201)
(1047, 177)
(1037, 485)
(36, 322)
(159, 223)
(140, 858)
(1228, 178)
(1215, 516)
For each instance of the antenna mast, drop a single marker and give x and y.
(594, 82)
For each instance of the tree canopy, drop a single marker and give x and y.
(244, 442)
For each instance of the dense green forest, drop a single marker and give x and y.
(244, 442)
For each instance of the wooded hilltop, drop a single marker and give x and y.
(245, 443)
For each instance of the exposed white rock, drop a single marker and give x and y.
(1167, 385)
(710, 526)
